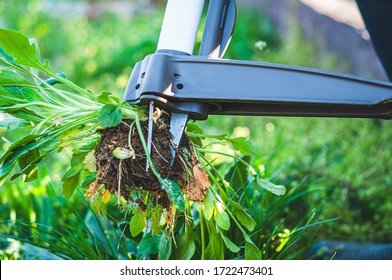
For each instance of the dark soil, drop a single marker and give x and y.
(124, 176)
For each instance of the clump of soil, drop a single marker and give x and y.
(127, 175)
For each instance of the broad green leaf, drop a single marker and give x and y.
(221, 217)
(70, 184)
(32, 96)
(243, 145)
(19, 46)
(193, 127)
(25, 164)
(185, 247)
(88, 179)
(17, 149)
(8, 78)
(208, 203)
(138, 223)
(109, 116)
(230, 245)
(175, 194)
(252, 252)
(108, 98)
(275, 189)
(77, 164)
(25, 114)
(5, 169)
(5, 56)
(12, 123)
(156, 219)
(215, 248)
(165, 247)
(149, 245)
(245, 219)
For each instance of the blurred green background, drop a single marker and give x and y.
(344, 165)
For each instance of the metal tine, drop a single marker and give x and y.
(177, 126)
(150, 131)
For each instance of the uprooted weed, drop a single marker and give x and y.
(124, 176)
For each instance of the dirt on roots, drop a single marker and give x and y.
(121, 177)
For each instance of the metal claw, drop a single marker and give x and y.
(177, 127)
(150, 131)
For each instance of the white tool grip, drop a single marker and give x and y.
(180, 25)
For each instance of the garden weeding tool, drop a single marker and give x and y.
(193, 87)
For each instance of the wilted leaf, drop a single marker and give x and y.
(275, 189)
(198, 184)
(93, 188)
(109, 116)
(106, 196)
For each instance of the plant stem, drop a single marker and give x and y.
(202, 235)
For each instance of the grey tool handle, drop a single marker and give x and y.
(218, 29)
(183, 84)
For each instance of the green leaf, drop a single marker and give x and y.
(252, 252)
(215, 247)
(70, 184)
(208, 203)
(156, 219)
(18, 46)
(17, 149)
(77, 164)
(138, 223)
(30, 170)
(185, 247)
(108, 97)
(31, 95)
(275, 189)
(109, 116)
(149, 245)
(229, 244)
(243, 145)
(221, 217)
(88, 179)
(245, 219)
(165, 247)
(8, 78)
(193, 127)
(11, 123)
(175, 194)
